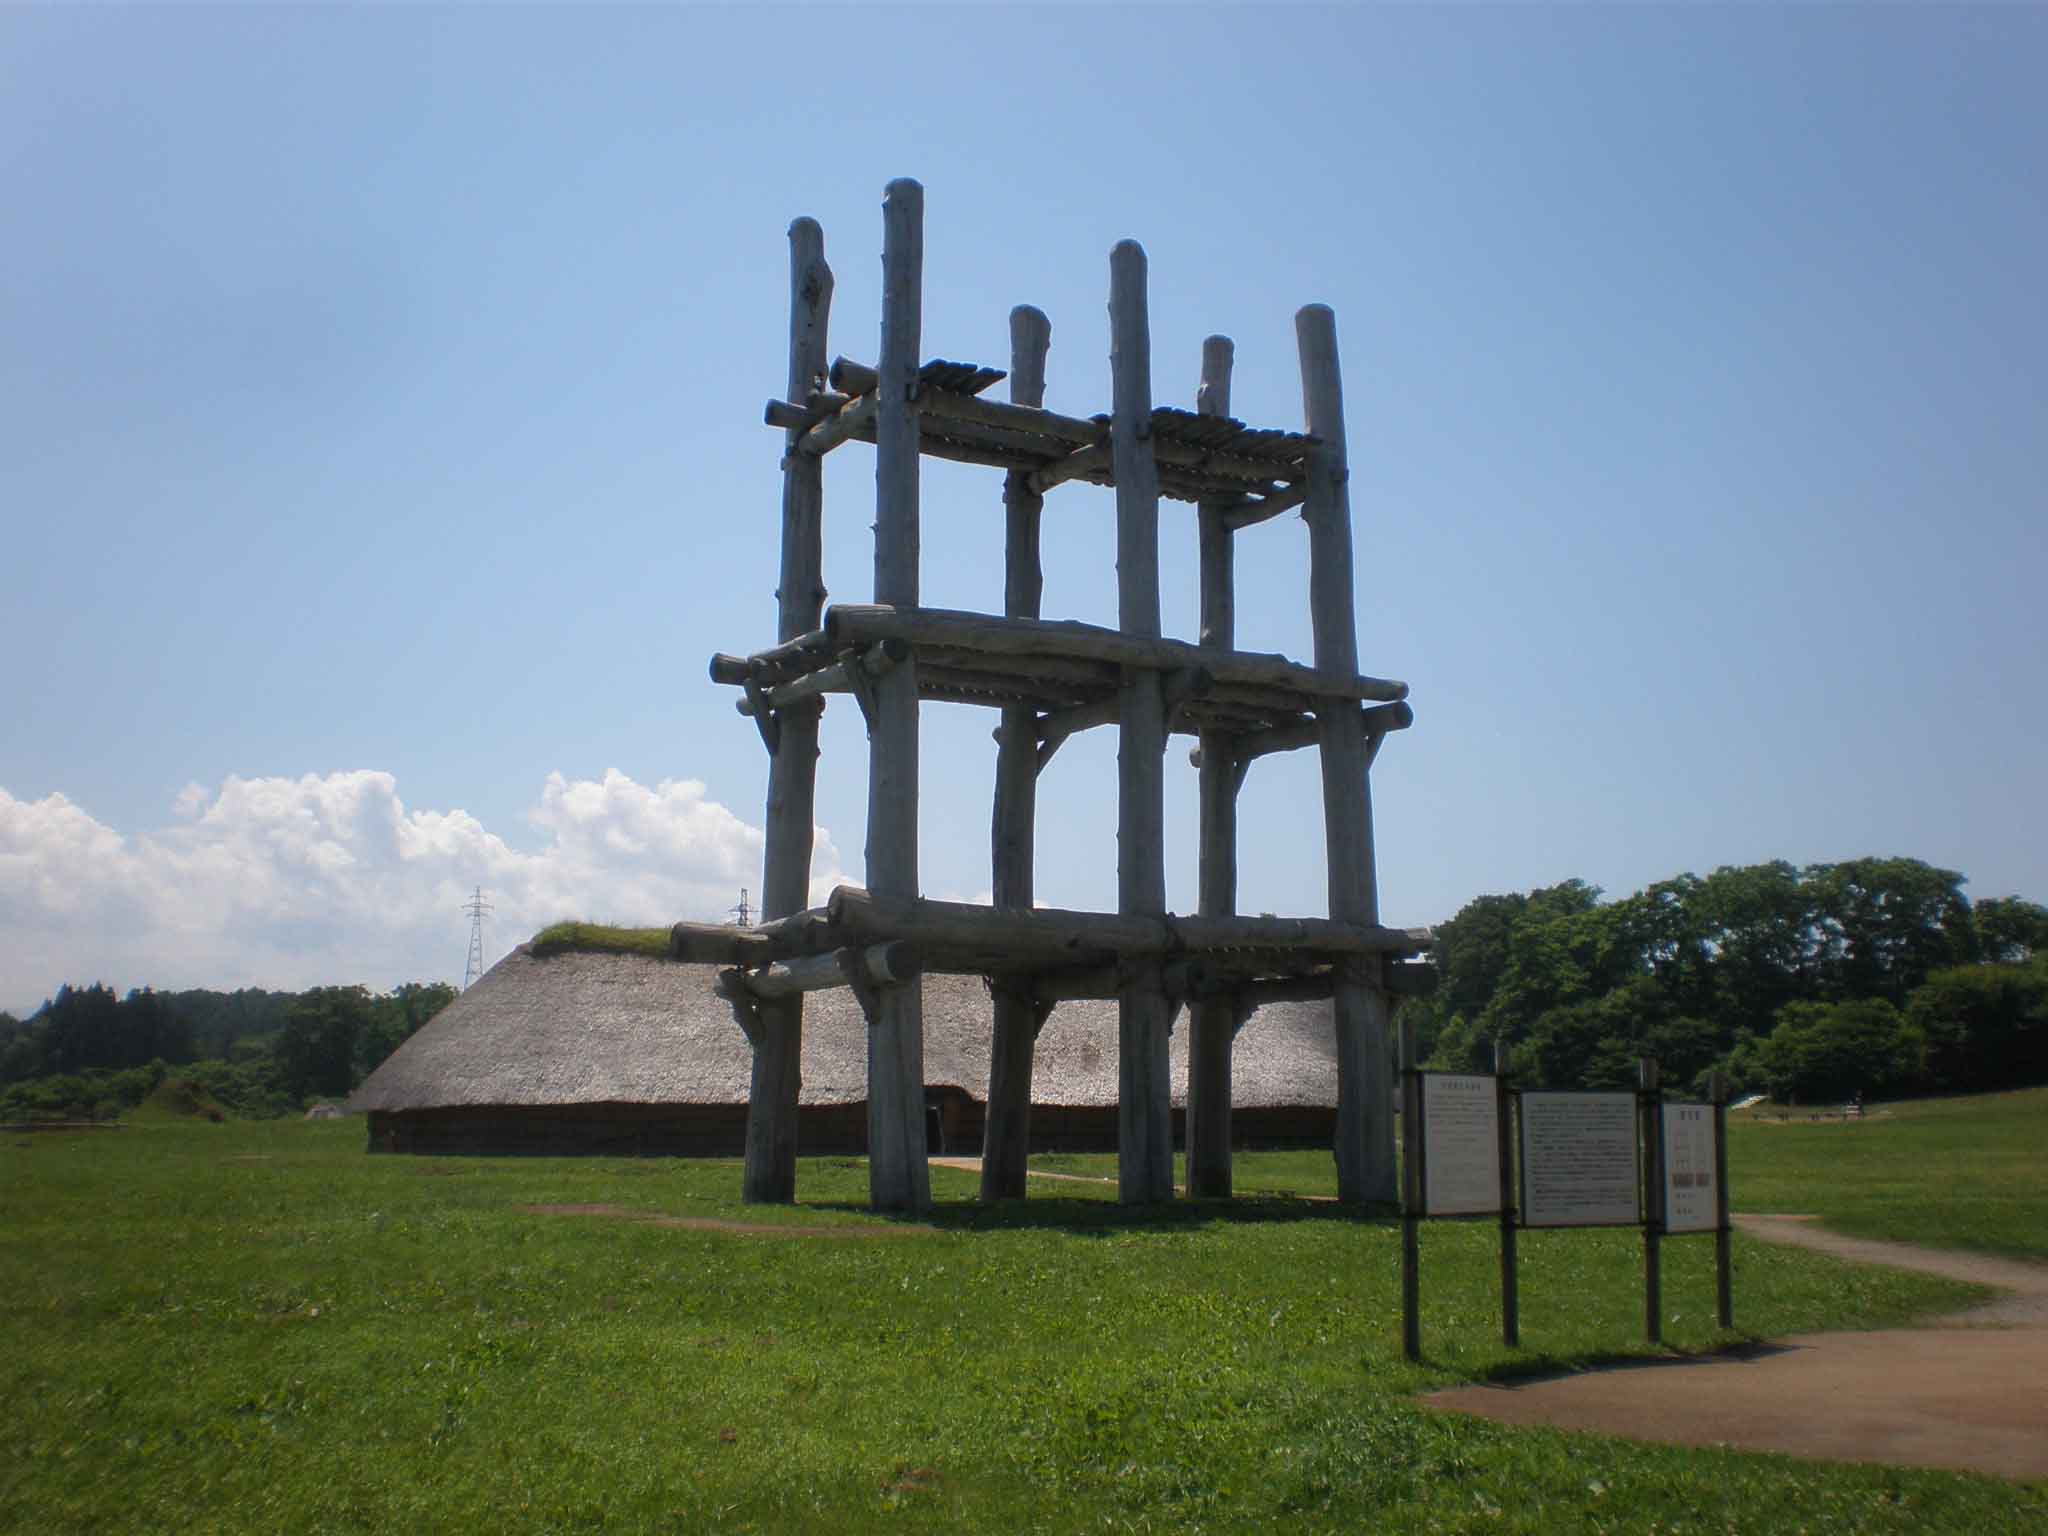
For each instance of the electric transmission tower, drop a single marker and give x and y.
(476, 909)
(742, 915)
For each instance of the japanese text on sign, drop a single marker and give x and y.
(1579, 1159)
(1691, 1203)
(1460, 1145)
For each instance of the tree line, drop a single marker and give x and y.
(88, 1052)
(1811, 984)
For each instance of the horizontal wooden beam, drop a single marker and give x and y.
(801, 933)
(848, 624)
(874, 661)
(1183, 687)
(1045, 936)
(1072, 430)
(950, 426)
(881, 963)
(1081, 464)
(1379, 719)
(1254, 510)
(855, 419)
(779, 664)
(718, 944)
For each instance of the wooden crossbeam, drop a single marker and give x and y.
(837, 678)
(849, 624)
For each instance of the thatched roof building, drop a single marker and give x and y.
(618, 1053)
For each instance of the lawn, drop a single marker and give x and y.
(256, 1327)
(1951, 1173)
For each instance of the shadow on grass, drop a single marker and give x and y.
(1105, 1218)
(1531, 1369)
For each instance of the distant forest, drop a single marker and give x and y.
(1875, 976)
(88, 1053)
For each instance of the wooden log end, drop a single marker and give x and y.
(1388, 717)
(894, 960)
(712, 944)
(852, 378)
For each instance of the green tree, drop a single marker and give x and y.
(81, 1029)
(1888, 923)
(1986, 1026)
(1759, 921)
(394, 1019)
(316, 1050)
(2011, 931)
(1472, 952)
(1598, 1042)
(1565, 948)
(1832, 1051)
(151, 1030)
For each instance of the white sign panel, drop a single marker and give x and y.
(1691, 1203)
(1579, 1160)
(1460, 1145)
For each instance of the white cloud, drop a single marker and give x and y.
(330, 878)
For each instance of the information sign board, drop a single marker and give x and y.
(1460, 1145)
(1579, 1160)
(1691, 1203)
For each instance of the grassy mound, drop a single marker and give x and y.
(179, 1098)
(598, 938)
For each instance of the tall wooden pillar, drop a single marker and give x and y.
(1212, 1022)
(1365, 1119)
(792, 770)
(899, 1178)
(1006, 1135)
(1144, 1083)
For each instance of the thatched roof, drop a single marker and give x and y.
(585, 1028)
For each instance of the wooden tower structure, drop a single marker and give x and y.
(1050, 679)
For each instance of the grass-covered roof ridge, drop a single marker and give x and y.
(600, 938)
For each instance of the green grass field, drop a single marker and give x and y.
(1951, 1173)
(256, 1327)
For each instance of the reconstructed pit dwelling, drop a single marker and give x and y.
(1050, 679)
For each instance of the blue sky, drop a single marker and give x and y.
(380, 456)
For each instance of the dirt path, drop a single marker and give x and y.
(1969, 1392)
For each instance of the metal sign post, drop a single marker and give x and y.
(1724, 1279)
(1510, 1296)
(1652, 1101)
(1411, 1194)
